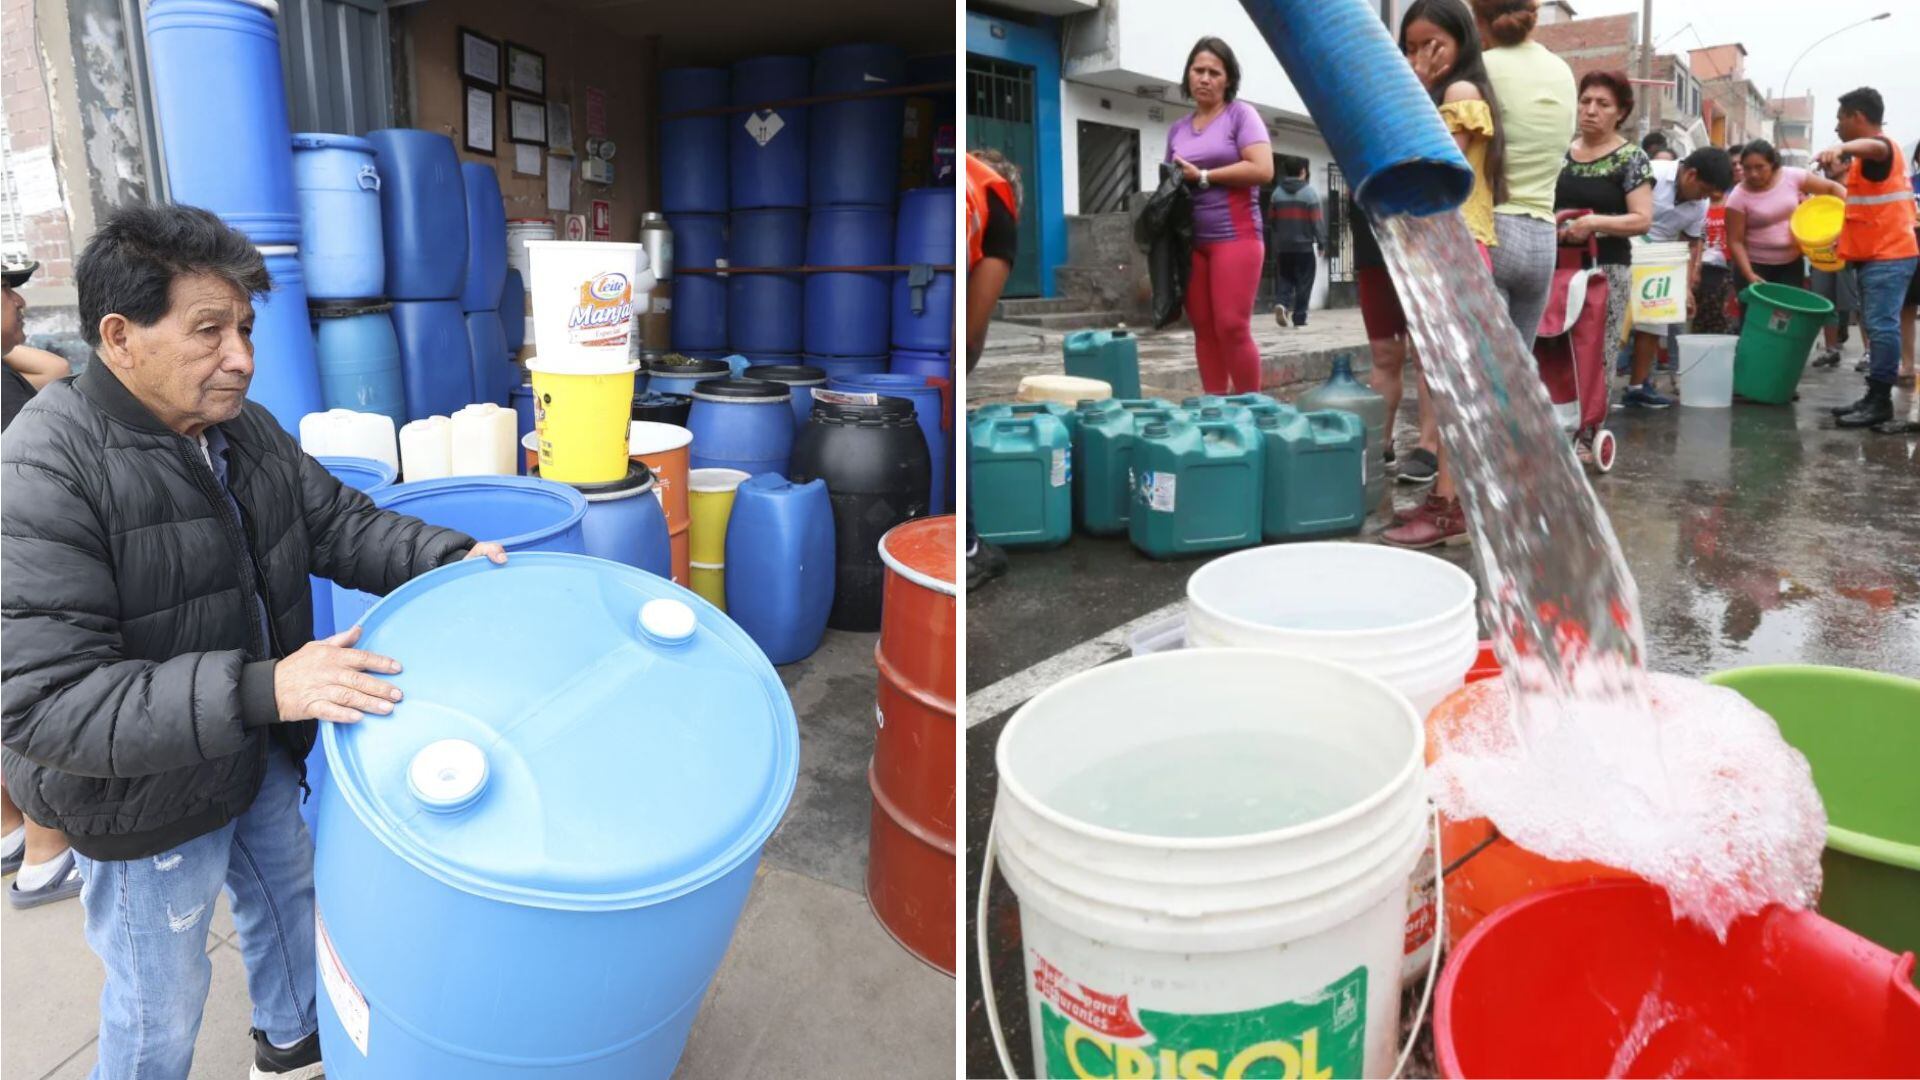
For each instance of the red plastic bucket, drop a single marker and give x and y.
(1600, 980)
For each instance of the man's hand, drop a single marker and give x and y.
(488, 549)
(1829, 159)
(325, 680)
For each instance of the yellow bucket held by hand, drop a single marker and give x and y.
(1816, 228)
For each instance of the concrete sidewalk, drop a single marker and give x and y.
(1292, 358)
(812, 986)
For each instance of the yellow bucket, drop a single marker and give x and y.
(581, 418)
(711, 583)
(1816, 227)
(709, 504)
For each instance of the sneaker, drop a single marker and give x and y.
(1437, 522)
(1391, 460)
(1647, 397)
(301, 1061)
(66, 883)
(1863, 365)
(984, 563)
(1420, 467)
(1827, 358)
(1281, 316)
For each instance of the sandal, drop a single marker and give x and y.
(66, 883)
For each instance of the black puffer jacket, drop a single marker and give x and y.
(138, 693)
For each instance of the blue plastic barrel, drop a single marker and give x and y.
(521, 398)
(930, 405)
(368, 476)
(286, 373)
(923, 316)
(846, 139)
(767, 150)
(486, 272)
(938, 365)
(1378, 120)
(521, 513)
(848, 314)
(359, 358)
(693, 176)
(625, 522)
(492, 372)
(841, 366)
(436, 359)
(423, 214)
(800, 381)
(743, 424)
(513, 311)
(681, 378)
(780, 565)
(221, 103)
(764, 310)
(699, 317)
(535, 864)
(765, 359)
(338, 187)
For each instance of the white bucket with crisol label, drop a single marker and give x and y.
(584, 294)
(1210, 848)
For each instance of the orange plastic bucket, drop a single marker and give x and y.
(664, 448)
(1502, 871)
(911, 854)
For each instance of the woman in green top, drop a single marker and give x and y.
(1535, 95)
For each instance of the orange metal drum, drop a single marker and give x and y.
(665, 449)
(910, 855)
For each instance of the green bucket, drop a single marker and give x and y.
(1861, 733)
(1778, 333)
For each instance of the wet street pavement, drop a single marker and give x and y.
(1757, 535)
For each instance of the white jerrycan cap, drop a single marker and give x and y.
(447, 775)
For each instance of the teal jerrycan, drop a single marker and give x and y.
(1112, 356)
(1018, 410)
(1241, 415)
(1196, 487)
(1313, 478)
(1343, 391)
(1020, 472)
(1103, 460)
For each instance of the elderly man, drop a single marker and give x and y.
(161, 686)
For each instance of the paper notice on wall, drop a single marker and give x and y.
(559, 184)
(526, 160)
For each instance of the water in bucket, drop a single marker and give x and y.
(1565, 616)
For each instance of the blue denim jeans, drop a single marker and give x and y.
(147, 921)
(1883, 289)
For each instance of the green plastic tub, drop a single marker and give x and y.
(1861, 733)
(1781, 323)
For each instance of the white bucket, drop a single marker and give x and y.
(1659, 294)
(345, 433)
(1403, 617)
(1265, 934)
(519, 231)
(1705, 370)
(583, 301)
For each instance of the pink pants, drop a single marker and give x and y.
(1220, 294)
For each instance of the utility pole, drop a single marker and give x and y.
(1646, 61)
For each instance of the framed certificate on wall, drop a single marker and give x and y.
(526, 121)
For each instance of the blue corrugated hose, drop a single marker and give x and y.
(1377, 118)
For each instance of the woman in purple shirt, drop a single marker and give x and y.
(1223, 150)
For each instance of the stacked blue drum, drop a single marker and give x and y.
(486, 279)
(767, 149)
(359, 357)
(923, 298)
(847, 138)
(764, 310)
(744, 424)
(286, 374)
(338, 187)
(693, 173)
(557, 883)
(424, 233)
(699, 316)
(847, 314)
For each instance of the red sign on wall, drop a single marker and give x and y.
(602, 219)
(596, 113)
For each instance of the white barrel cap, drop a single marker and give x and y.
(447, 775)
(667, 621)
